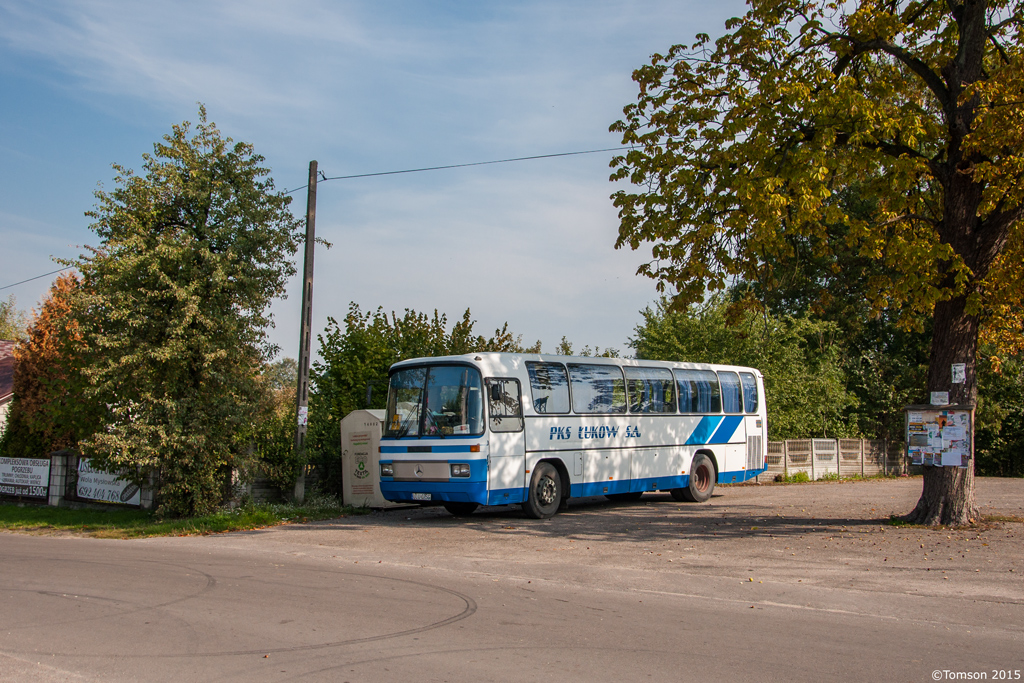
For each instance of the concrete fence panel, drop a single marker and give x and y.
(826, 457)
(775, 462)
(820, 458)
(800, 457)
(851, 457)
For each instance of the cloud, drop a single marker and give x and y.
(513, 246)
(362, 87)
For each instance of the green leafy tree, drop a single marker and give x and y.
(173, 310)
(742, 143)
(270, 437)
(801, 360)
(13, 321)
(885, 363)
(1000, 421)
(282, 376)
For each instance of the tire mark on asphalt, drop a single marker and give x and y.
(211, 582)
(469, 609)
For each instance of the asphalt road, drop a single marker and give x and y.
(786, 583)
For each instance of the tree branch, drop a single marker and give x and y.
(930, 78)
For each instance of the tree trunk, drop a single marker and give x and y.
(948, 494)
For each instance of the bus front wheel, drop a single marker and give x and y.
(545, 493)
(702, 481)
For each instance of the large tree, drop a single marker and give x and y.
(741, 145)
(48, 412)
(173, 310)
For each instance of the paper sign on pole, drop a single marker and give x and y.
(959, 373)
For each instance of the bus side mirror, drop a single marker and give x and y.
(495, 393)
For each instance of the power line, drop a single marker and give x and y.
(475, 163)
(54, 272)
(407, 170)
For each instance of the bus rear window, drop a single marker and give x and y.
(699, 391)
(749, 391)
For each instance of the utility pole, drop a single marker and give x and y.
(306, 330)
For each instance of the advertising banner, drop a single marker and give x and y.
(26, 477)
(104, 487)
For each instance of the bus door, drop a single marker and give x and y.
(756, 429)
(506, 456)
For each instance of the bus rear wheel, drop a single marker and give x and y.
(630, 496)
(460, 509)
(545, 493)
(702, 481)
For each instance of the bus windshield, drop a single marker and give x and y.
(435, 401)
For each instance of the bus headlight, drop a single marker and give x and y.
(460, 469)
(387, 469)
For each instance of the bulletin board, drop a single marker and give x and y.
(940, 436)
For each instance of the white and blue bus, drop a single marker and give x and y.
(503, 428)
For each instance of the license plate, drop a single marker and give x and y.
(421, 496)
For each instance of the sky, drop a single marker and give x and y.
(361, 86)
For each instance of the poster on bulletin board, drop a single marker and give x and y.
(940, 436)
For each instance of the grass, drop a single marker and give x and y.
(131, 523)
(900, 522)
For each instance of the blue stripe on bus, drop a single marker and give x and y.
(506, 496)
(728, 427)
(601, 488)
(476, 492)
(705, 428)
(738, 476)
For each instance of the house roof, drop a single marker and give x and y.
(6, 370)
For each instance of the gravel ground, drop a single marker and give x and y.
(825, 533)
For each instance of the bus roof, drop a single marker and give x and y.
(492, 362)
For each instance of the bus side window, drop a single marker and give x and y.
(749, 391)
(597, 388)
(504, 405)
(731, 402)
(651, 390)
(550, 387)
(699, 391)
